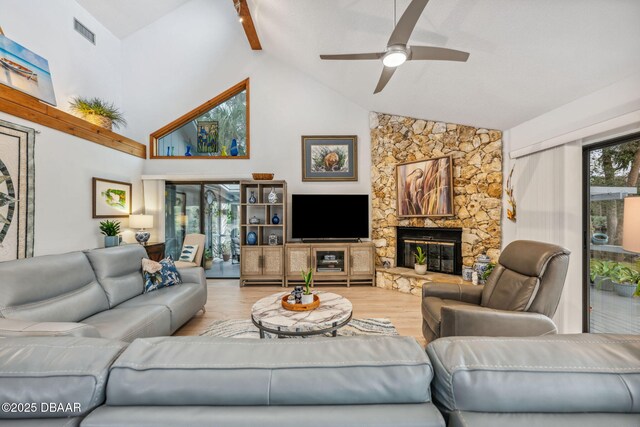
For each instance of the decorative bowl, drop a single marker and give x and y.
(262, 176)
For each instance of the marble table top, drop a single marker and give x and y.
(333, 309)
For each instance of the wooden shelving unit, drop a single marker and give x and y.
(262, 264)
(27, 107)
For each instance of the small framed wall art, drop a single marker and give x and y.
(330, 158)
(111, 199)
(425, 188)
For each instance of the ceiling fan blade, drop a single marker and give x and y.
(354, 56)
(407, 22)
(387, 72)
(437, 54)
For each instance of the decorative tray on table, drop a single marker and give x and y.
(300, 307)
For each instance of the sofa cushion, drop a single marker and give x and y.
(119, 271)
(188, 253)
(183, 301)
(561, 373)
(44, 370)
(158, 275)
(407, 415)
(127, 324)
(229, 371)
(54, 288)
(480, 419)
(42, 422)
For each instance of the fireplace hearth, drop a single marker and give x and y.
(443, 247)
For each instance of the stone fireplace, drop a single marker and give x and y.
(477, 184)
(443, 247)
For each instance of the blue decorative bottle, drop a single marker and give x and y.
(168, 151)
(275, 219)
(252, 238)
(188, 153)
(234, 147)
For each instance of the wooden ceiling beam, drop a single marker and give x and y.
(247, 23)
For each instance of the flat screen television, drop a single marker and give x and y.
(329, 216)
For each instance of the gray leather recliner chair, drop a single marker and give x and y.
(519, 299)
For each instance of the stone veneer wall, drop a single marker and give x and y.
(477, 182)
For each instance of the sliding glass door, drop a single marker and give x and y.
(209, 208)
(611, 173)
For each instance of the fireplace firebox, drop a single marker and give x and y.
(443, 247)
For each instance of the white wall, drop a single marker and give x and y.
(77, 66)
(548, 181)
(548, 191)
(65, 164)
(174, 74)
(563, 124)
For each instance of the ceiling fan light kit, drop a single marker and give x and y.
(398, 52)
(395, 56)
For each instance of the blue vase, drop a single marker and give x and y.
(252, 238)
(252, 198)
(188, 153)
(234, 147)
(275, 219)
(168, 151)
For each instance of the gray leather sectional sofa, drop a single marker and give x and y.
(97, 293)
(554, 381)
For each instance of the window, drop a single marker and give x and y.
(218, 129)
(611, 273)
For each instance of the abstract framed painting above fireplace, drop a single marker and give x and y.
(443, 247)
(425, 188)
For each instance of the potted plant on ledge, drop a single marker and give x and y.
(97, 111)
(421, 261)
(110, 230)
(307, 296)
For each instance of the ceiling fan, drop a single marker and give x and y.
(397, 51)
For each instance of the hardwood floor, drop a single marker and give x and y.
(229, 301)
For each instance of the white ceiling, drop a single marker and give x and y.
(125, 17)
(527, 56)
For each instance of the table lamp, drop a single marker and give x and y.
(141, 222)
(631, 232)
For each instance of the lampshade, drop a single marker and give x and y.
(631, 232)
(141, 221)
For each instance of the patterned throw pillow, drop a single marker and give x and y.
(188, 253)
(159, 275)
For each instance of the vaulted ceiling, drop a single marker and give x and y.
(125, 17)
(527, 56)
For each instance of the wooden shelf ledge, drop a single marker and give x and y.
(26, 107)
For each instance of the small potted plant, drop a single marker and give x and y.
(110, 230)
(226, 251)
(208, 259)
(307, 296)
(595, 271)
(97, 111)
(604, 280)
(625, 281)
(421, 261)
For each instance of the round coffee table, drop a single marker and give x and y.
(334, 312)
